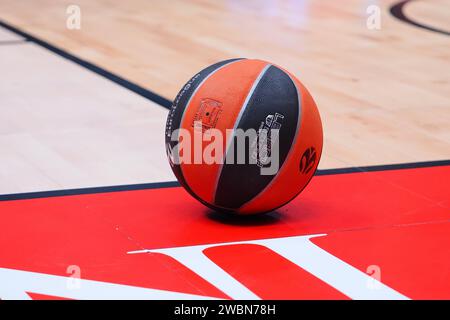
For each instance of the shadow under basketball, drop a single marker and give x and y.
(269, 218)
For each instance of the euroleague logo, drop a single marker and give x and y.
(308, 160)
(208, 114)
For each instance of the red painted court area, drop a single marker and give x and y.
(395, 222)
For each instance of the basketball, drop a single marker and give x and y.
(298, 136)
(244, 136)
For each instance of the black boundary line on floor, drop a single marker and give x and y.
(91, 190)
(384, 167)
(397, 11)
(92, 67)
(170, 184)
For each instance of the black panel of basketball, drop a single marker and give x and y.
(275, 96)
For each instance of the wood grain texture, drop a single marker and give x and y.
(424, 12)
(64, 127)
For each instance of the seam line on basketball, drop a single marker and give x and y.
(289, 155)
(236, 123)
(190, 99)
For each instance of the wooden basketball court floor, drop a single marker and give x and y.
(86, 191)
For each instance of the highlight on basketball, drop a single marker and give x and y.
(225, 156)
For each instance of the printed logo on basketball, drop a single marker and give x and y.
(308, 160)
(270, 125)
(208, 113)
